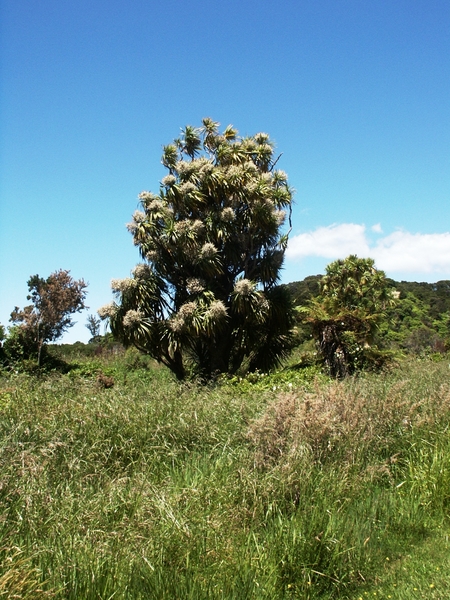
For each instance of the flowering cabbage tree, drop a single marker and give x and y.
(206, 296)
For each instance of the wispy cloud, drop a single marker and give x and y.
(396, 252)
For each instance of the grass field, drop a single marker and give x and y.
(277, 486)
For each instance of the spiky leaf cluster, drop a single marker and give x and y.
(345, 315)
(213, 247)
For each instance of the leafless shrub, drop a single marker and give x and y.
(270, 433)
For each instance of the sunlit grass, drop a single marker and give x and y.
(246, 489)
(421, 572)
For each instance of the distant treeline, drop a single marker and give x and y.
(419, 321)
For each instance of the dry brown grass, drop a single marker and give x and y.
(342, 420)
(20, 580)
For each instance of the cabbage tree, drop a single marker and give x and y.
(212, 240)
(345, 316)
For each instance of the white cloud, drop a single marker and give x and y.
(404, 251)
(400, 251)
(333, 241)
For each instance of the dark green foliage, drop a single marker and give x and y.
(20, 345)
(420, 320)
(434, 295)
(206, 300)
(93, 326)
(302, 291)
(424, 339)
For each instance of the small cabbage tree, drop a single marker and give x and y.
(353, 298)
(206, 296)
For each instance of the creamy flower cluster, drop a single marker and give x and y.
(208, 250)
(155, 205)
(265, 149)
(261, 137)
(280, 176)
(186, 168)
(217, 310)
(280, 216)
(243, 287)
(235, 172)
(187, 187)
(197, 227)
(267, 177)
(182, 226)
(132, 318)
(141, 271)
(187, 310)
(169, 180)
(251, 187)
(146, 196)
(227, 215)
(107, 310)
(152, 255)
(206, 168)
(195, 285)
(250, 167)
(122, 285)
(176, 323)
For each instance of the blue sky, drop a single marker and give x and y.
(356, 95)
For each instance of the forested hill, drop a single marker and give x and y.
(434, 295)
(302, 291)
(420, 320)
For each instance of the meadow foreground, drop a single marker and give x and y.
(280, 486)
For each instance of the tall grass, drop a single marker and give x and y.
(152, 489)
